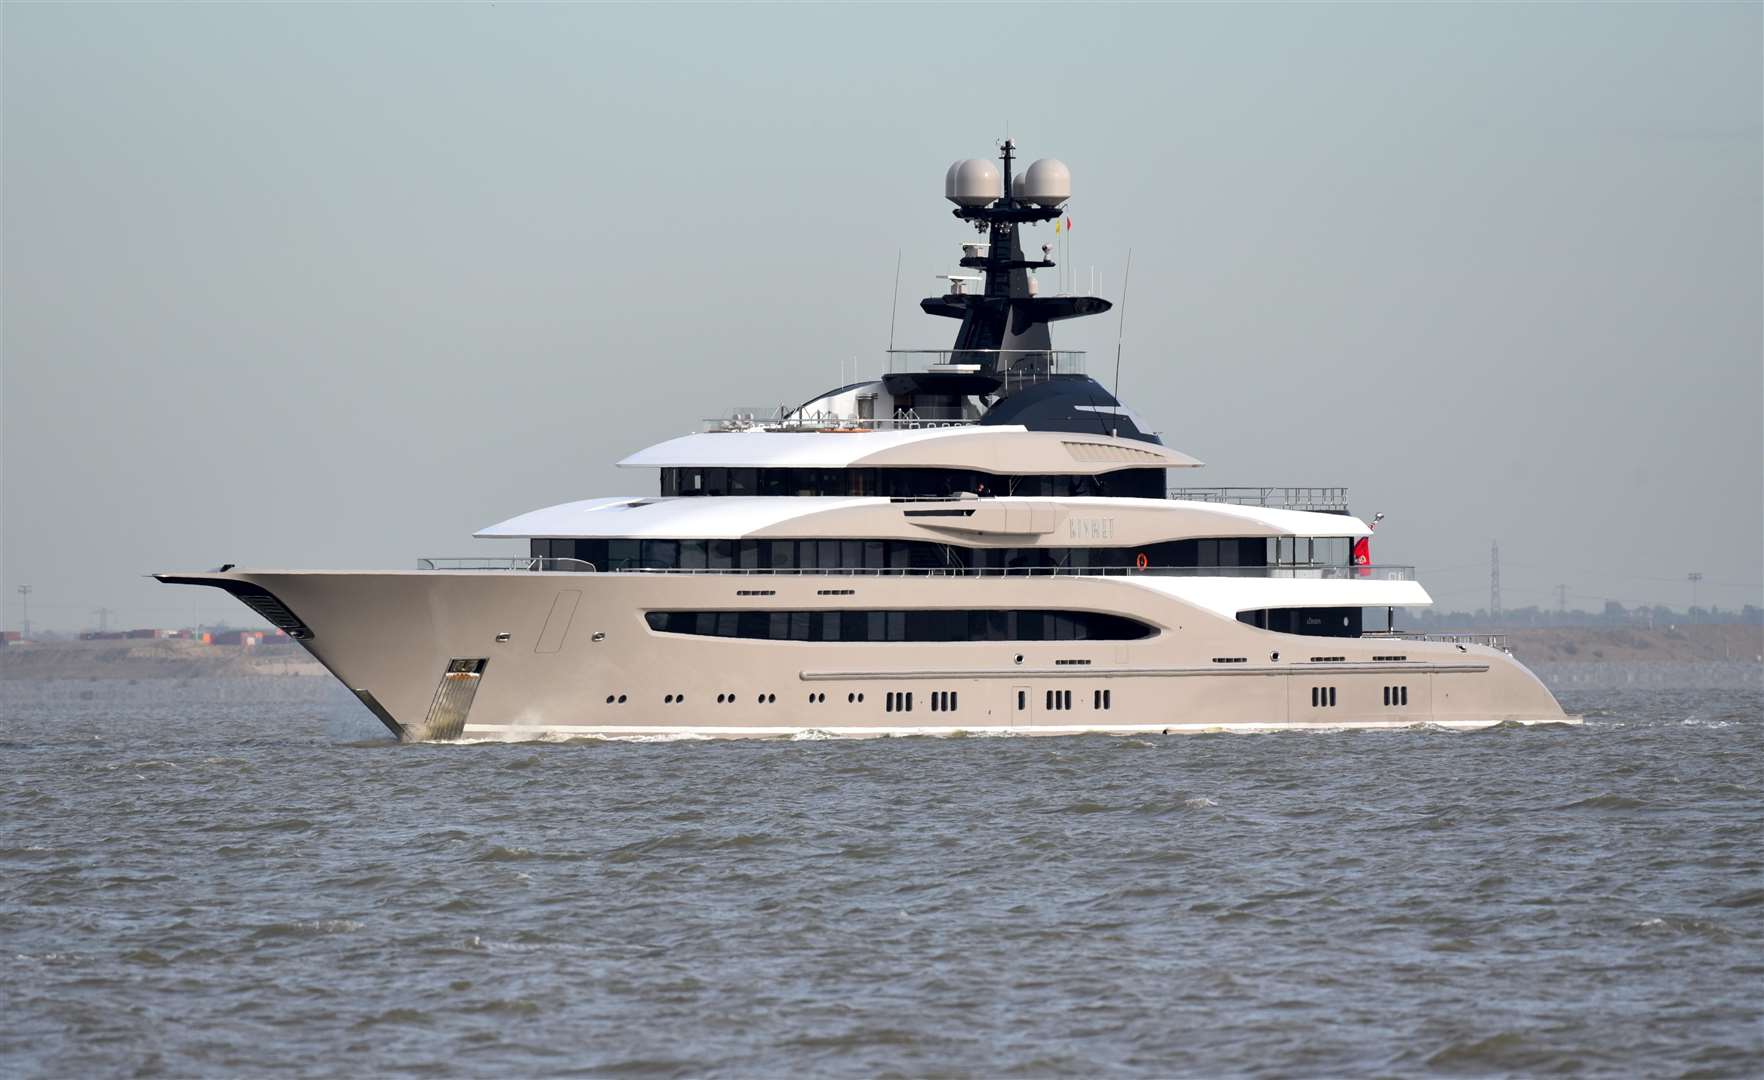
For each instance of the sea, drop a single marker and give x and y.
(244, 878)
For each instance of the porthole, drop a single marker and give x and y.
(1019, 658)
(771, 698)
(860, 699)
(609, 699)
(719, 699)
(668, 700)
(621, 699)
(849, 698)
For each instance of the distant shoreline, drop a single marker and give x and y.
(153, 659)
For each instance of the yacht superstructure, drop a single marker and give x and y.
(978, 539)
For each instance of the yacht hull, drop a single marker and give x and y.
(520, 655)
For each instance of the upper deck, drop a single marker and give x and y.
(919, 389)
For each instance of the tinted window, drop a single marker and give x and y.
(783, 554)
(917, 625)
(623, 554)
(1312, 622)
(692, 554)
(661, 554)
(747, 554)
(927, 556)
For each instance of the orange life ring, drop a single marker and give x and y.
(1142, 562)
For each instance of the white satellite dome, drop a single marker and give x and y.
(1046, 182)
(973, 182)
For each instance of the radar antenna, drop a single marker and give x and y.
(1004, 324)
(1120, 333)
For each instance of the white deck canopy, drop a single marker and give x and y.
(994, 449)
(1131, 521)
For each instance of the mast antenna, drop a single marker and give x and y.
(1120, 332)
(895, 309)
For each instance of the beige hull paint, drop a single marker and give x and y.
(392, 636)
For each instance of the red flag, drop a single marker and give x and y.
(1068, 224)
(1363, 554)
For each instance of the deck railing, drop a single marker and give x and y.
(497, 562)
(1017, 368)
(785, 418)
(1328, 573)
(1329, 500)
(1493, 641)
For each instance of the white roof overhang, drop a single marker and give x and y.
(1229, 595)
(687, 518)
(734, 516)
(996, 449)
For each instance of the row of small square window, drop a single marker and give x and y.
(949, 700)
(902, 701)
(722, 699)
(1324, 696)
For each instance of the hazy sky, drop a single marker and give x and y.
(331, 286)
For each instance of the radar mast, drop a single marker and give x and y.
(1005, 324)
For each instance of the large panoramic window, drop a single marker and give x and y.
(1311, 622)
(910, 625)
(924, 556)
(907, 483)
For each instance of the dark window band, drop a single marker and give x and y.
(915, 625)
(908, 483)
(925, 555)
(1311, 622)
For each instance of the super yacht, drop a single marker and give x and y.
(977, 539)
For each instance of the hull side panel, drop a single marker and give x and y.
(602, 670)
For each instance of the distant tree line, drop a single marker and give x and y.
(1613, 615)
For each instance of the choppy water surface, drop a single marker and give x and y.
(227, 878)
